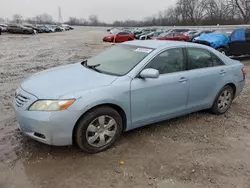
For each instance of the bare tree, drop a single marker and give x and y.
(17, 18)
(244, 8)
(194, 10)
(73, 21)
(93, 19)
(219, 11)
(44, 19)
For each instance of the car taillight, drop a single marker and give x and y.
(244, 71)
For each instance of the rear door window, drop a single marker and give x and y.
(199, 58)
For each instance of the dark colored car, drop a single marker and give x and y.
(19, 29)
(239, 42)
(173, 36)
(44, 29)
(119, 37)
(219, 39)
(38, 30)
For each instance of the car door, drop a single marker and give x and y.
(206, 72)
(121, 37)
(158, 99)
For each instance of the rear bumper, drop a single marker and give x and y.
(239, 88)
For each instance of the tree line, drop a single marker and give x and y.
(183, 12)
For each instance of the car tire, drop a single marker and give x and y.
(129, 39)
(222, 50)
(94, 132)
(223, 100)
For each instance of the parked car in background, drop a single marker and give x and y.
(173, 36)
(19, 29)
(50, 28)
(44, 29)
(119, 37)
(3, 27)
(57, 28)
(63, 111)
(38, 30)
(239, 43)
(147, 36)
(218, 41)
(179, 30)
(197, 34)
(66, 27)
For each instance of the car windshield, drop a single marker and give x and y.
(119, 60)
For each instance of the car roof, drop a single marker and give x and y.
(160, 43)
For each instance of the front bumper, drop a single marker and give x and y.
(52, 128)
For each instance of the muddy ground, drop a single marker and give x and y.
(195, 151)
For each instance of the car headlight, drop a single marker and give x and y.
(51, 105)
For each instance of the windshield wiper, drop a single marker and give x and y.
(93, 67)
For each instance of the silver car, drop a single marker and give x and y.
(125, 87)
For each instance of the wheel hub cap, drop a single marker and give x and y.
(225, 100)
(101, 131)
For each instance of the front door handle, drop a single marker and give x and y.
(222, 72)
(183, 80)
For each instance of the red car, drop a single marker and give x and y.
(119, 37)
(173, 36)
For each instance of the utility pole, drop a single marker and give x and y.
(60, 19)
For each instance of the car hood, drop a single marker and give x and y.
(65, 80)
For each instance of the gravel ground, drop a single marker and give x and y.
(194, 151)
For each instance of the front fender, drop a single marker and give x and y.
(118, 95)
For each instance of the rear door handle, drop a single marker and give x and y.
(183, 80)
(222, 72)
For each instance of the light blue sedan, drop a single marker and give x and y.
(125, 87)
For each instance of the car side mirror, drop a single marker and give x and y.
(149, 73)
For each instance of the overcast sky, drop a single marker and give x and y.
(107, 10)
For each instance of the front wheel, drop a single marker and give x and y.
(223, 101)
(98, 129)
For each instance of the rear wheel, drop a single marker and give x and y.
(223, 101)
(98, 129)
